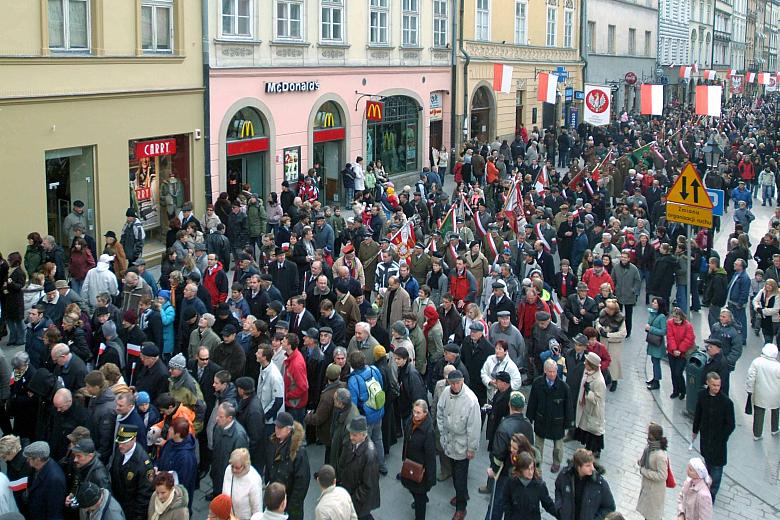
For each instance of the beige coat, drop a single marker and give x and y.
(400, 306)
(653, 491)
(479, 267)
(590, 415)
(335, 504)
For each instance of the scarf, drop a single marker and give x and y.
(417, 423)
(160, 507)
(651, 447)
(432, 318)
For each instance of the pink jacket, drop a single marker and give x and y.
(695, 501)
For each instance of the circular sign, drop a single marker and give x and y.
(630, 78)
(597, 101)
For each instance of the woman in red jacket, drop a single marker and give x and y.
(679, 339)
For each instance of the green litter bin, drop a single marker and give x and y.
(694, 379)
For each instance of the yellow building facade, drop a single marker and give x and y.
(100, 102)
(531, 36)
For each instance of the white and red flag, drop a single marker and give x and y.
(685, 72)
(502, 78)
(708, 98)
(750, 77)
(546, 87)
(133, 350)
(710, 75)
(405, 239)
(764, 78)
(652, 100)
(541, 181)
(18, 484)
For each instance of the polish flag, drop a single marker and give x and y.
(133, 350)
(695, 68)
(731, 72)
(764, 78)
(541, 181)
(502, 78)
(18, 485)
(710, 75)
(652, 97)
(750, 77)
(546, 87)
(685, 72)
(102, 349)
(708, 100)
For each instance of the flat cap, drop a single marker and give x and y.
(452, 347)
(542, 316)
(504, 376)
(149, 349)
(37, 449)
(284, 420)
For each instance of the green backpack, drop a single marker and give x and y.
(376, 396)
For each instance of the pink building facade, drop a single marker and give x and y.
(268, 125)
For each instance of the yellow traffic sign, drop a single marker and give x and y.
(692, 215)
(689, 189)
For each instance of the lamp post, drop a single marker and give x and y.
(712, 153)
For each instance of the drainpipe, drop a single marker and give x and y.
(453, 82)
(584, 39)
(204, 26)
(467, 60)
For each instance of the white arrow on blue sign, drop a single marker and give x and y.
(717, 197)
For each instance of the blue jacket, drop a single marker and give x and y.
(578, 249)
(324, 237)
(412, 287)
(357, 388)
(47, 493)
(739, 289)
(33, 344)
(737, 195)
(180, 457)
(168, 315)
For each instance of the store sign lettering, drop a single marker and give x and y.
(143, 193)
(281, 87)
(155, 148)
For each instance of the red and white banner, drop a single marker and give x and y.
(708, 100)
(750, 77)
(695, 68)
(652, 100)
(597, 100)
(546, 87)
(541, 181)
(502, 78)
(737, 84)
(133, 350)
(405, 239)
(685, 72)
(730, 73)
(710, 75)
(764, 78)
(18, 485)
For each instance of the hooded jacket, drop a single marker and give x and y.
(288, 464)
(99, 279)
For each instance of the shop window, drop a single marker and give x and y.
(328, 116)
(247, 123)
(246, 149)
(159, 173)
(69, 177)
(68, 22)
(394, 140)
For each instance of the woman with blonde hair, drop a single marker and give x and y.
(695, 501)
(611, 325)
(585, 264)
(767, 306)
(654, 468)
(243, 485)
(474, 314)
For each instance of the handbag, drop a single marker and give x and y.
(749, 404)
(411, 470)
(655, 339)
(670, 482)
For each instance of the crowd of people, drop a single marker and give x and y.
(503, 322)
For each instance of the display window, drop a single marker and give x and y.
(394, 140)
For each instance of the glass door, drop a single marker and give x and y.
(69, 177)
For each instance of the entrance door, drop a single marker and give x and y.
(435, 137)
(69, 177)
(548, 115)
(328, 155)
(250, 170)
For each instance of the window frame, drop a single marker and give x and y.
(478, 29)
(236, 17)
(379, 7)
(591, 40)
(554, 20)
(632, 41)
(611, 43)
(521, 33)
(66, 28)
(568, 28)
(332, 5)
(301, 20)
(439, 18)
(648, 43)
(410, 15)
(154, 5)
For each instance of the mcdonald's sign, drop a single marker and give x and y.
(328, 120)
(247, 129)
(374, 110)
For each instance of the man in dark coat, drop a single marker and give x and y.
(284, 274)
(360, 469)
(575, 370)
(131, 474)
(102, 412)
(662, 276)
(66, 415)
(229, 435)
(203, 369)
(581, 491)
(411, 386)
(499, 406)
(714, 419)
(69, 367)
(237, 229)
(287, 462)
(87, 467)
(47, 488)
(474, 352)
(229, 353)
(550, 409)
(152, 377)
(250, 415)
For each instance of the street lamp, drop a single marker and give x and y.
(712, 152)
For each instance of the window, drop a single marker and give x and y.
(648, 42)
(568, 27)
(378, 25)
(289, 19)
(591, 36)
(552, 14)
(332, 21)
(156, 25)
(610, 39)
(483, 20)
(410, 20)
(521, 22)
(68, 24)
(631, 42)
(237, 18)
(394, 140)
(440, 22)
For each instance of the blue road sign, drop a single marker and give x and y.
(579, 95)
(717, 197)
(569, 93)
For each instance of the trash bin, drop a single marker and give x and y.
(694, 379)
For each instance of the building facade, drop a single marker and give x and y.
(722, 35)
(542, 36)
(288, 92)
(739, 35)
(750, 34)
(701, 32)
(674, 38)
(622, 46)
(103, 103)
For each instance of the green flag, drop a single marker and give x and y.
(448, 225)
(637, 156)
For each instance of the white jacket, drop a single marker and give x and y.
(335, 504)
(489, 371)
(270, 386)
(99, 279)
(772, 312)
(763, 379)
(245, 491)
(459, 419)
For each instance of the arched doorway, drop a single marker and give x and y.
(481, 114)
(247, 145)
(328, 153)
(395, 139)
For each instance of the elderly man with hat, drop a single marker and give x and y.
(354, 265)
(419, 263)
(68, 295)
(287, 462)
(716, 361)
(459, 422)
(499, 406)
(229, 354)
(580, 309)
(46, 491)
(152, 375)
(451, 357)
(96, 503)
(250, 415)
(542, 335)
(131, 474)
(315, 365)
(500, 301)
(475, 351)
(284, 274)
(590, 417)
(134, 289)
(360, 469)
(53, 304)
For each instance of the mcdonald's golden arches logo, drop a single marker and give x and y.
(374, 110)
(328, 120)
(247, 129)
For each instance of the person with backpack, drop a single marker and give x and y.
(366, 387)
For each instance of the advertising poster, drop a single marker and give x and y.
(292, 164)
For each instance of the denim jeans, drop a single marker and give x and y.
(375, 433)
(563, 158)
(75, 285)
(460, 479)
(716, 473)
(767, 194)
(657, 374)
(682, 297)
(350, 198)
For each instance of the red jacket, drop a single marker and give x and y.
(747, 170)
(526, 315)
(216, 283)
(679, 337)
(459, 285)
(602, 352)
(296, 385)
(594, 281)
